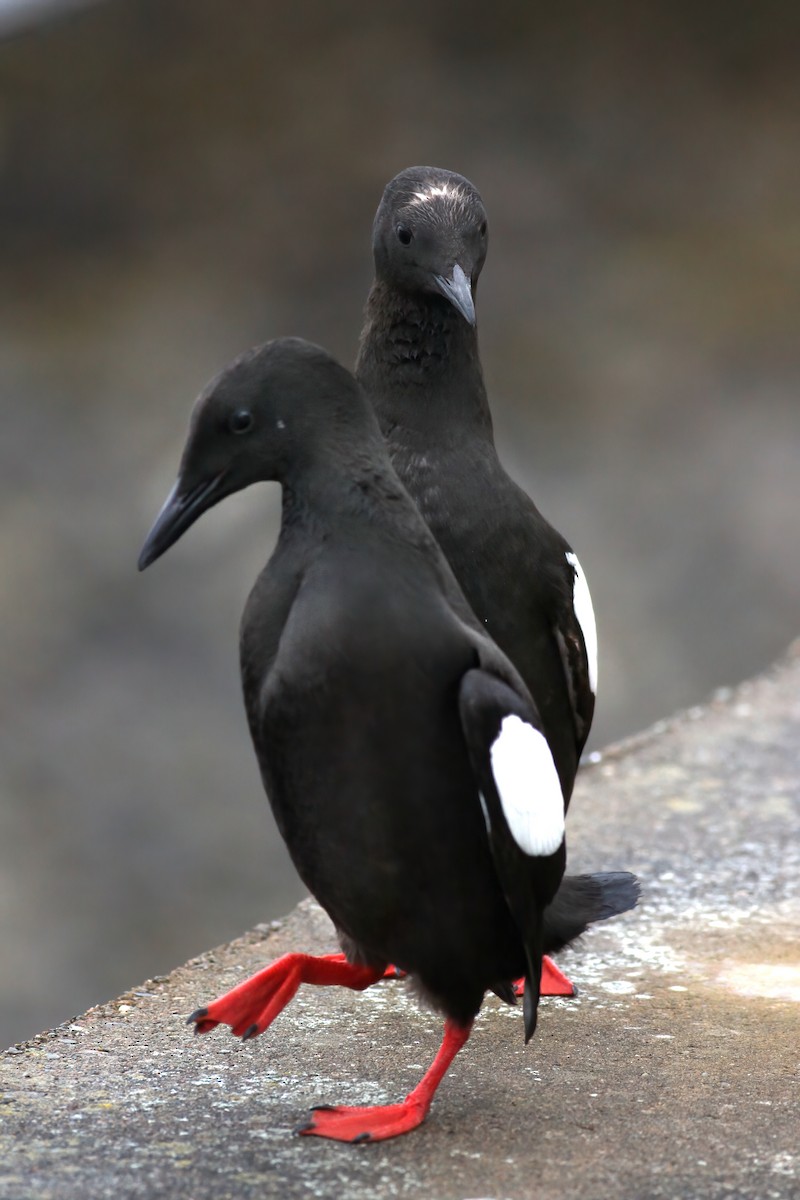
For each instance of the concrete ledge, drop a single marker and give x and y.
(674, 1074)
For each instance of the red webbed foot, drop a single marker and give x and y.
(393, 972)
(253, 1005)
(375, 1123)
(372, 1123)
(554, 982)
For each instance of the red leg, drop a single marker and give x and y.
(254, 1004)
(554, 982)
(391, 972)
(374, 1123)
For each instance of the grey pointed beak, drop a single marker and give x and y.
(458, 290)
(181, 509)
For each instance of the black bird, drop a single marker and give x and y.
(419, 365)
(401, 752)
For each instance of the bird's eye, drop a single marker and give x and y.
(404, 235)
(241, 421)
(482, 230)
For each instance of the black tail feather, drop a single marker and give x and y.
(533, 977)
(583, 899)
(530, 1005)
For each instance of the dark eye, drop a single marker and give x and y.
(241, 421)
(404, 235)
(482, 230)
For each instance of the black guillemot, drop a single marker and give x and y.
(420, 367)
(419, 364)
(402, 754)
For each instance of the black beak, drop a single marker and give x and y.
(181, 509)
(458, 290)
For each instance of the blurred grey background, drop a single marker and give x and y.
(182, 178)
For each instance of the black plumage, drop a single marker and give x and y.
(420, 366)
(383, 717)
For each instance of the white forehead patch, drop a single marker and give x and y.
(528, 787)
(584, 612)
(435, 190)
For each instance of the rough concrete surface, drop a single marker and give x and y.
(674, 1074)
(182, 179)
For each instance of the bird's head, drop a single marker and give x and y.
(430, 235)
(270, 413)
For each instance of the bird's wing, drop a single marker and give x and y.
(523, 807)
(576, 634)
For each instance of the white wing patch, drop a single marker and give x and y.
(485, 811)
(584, 612)
(528, 786)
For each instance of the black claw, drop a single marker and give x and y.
(322, 1107)
(305, 1128)
(250, 1033)
(361, 1137)
(197, 1015)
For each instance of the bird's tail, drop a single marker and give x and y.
(583, 899)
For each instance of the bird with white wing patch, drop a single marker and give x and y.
(420, 366)
(381, 713)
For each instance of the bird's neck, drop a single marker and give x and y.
(418, 362)
(349, 487)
